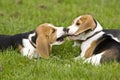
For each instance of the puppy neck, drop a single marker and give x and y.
(86, 45)
(91, 34)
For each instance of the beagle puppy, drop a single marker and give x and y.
(36, 43)
(96, 45)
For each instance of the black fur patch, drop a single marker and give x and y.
(110, 47)
(95, 21)
(34, 38)
(7, 41)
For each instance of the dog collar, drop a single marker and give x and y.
(32, 44)
(91, 36)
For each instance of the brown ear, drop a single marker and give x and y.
(42, 43)
(86, 23)
(42, 46)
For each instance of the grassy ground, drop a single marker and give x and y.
(17, 16)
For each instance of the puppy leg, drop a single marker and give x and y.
(28, 50)
(78, 58)
(95, 59)
(76, 43)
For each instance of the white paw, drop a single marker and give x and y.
(92, 60)
(78, 58)
(28, 53)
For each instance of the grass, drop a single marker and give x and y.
(17, 16)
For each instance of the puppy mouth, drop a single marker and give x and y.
(71, 35)
(62, 38)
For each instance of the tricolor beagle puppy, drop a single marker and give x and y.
(36, 43)
(96, 46)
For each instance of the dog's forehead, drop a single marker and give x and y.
(52, 26)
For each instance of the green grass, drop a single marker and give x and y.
(17, 16)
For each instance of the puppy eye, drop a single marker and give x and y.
(53, 31)
(77, 23)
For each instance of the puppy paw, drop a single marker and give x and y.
(77, 58)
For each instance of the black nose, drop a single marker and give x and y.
(66, 30)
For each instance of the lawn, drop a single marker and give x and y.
(17, 16)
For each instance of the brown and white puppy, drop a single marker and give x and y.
(36, 43)
(96, 46)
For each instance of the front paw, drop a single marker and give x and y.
(77, 58)
(76, 45)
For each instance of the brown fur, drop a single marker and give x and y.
(46, 35)
(85, 23)
(109, 55)
(90, 50)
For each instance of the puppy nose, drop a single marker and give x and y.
(66, 30)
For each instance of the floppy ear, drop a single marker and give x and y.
(42, 43)
(86, 23)
(42, 46)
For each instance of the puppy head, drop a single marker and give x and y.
(82, 25)
(48, 35)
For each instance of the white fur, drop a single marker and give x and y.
(115, 38)
(59, 32)
(73, 28)
(85, 45)
(31, 35)
(95, 59)
(28, 49)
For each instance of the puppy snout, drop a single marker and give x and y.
(66, 30)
